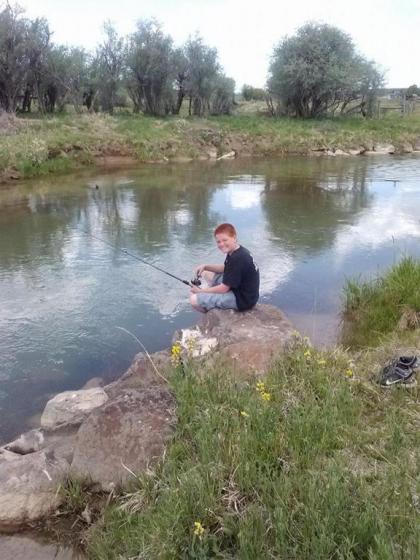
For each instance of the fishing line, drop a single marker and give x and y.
(193, 282)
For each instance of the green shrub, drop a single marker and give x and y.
(375, 308)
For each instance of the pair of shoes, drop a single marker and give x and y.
(400, 371)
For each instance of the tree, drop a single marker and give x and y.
(180, 64)
(412, 91)
(109, 62)
(362, 91)
(14, 59)
(76, 78)
(203, 69)
(24, 46)
(54, 87)
(150, 73)
(250, 93)
(38, 48)
(318, 69)
(223, 96)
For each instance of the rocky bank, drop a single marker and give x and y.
(106, 435)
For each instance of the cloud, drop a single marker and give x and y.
(389, 221)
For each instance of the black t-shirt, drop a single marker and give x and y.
(242, 276)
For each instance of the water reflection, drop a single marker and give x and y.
(308, 222)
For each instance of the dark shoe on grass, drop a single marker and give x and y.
(408, 362)
(398, 372)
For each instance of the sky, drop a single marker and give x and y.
(245, 32)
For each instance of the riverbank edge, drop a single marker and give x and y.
(42, 147)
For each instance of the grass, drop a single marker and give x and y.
(377, 307)
(76, 494)
(66, 142)
(314, 463)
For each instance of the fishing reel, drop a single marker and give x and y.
(196, 281)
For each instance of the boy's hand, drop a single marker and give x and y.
(200, 269)
(195, 289)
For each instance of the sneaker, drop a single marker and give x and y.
(408, 362)
(394, 374)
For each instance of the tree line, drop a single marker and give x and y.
(145, 67)
(313, 73)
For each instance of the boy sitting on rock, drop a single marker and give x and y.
(232, 285)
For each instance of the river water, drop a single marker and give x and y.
(309, 222)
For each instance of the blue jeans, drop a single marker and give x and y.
(219, 301)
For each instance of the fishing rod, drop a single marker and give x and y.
(194, 282)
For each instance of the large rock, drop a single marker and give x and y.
(380, 149)
(29, 442)
(72, 406)
(93, 382)
(356, 151)
(124, 436)
(407, 148)
(23, 547)
(144, 372)
(58, 440)
(228, 155)
(248, 339)
(28, 487)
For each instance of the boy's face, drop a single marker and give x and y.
(225, 242)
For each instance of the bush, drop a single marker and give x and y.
(375, 308)
(250, 93)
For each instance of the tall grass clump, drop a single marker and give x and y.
(285, 467)
(375, 308)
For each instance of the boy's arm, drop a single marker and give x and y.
(211, 268)
(219, 289)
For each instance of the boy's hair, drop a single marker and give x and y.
(226, 228)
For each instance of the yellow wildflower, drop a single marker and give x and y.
(266, 396)
(260, 386)
(198, 529)
(349, 372)
(176, 348)
(244, 414)
(176, 353)
(321, 362)
(307, 354)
